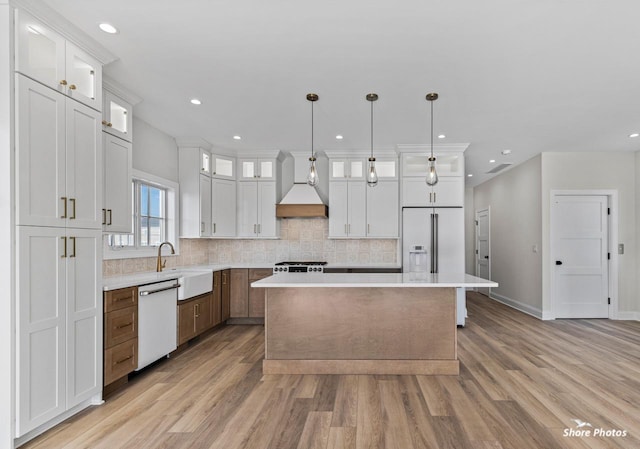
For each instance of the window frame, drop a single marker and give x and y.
(171, 219)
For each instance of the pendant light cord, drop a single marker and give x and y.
(372, 129)
(312, 153)
(431, 128)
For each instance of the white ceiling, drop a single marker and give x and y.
(524, 75)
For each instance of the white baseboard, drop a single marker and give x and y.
(630, 316)
(525, 308)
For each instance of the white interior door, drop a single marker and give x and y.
(579, 250)
(483, 247)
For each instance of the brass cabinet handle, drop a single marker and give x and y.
(72, 86)
(123, 360)
(197, 310)
(73, 240)
(110, 216)
(224, 278)
(109, 124)
(64, 239)
(122, 326)
(104, 122)
(63, 82)
(73, 203)
(64, 198)
(104, 216)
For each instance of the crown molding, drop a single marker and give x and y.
(66, 29)
(117, 89)
(440, 148)
(193, 142)
(361, 153)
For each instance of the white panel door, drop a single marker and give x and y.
(84, 318)
(40, 379)
(247, 209)
(267, 224)
(357, 214)
(223, 207)
(580, 256)
(205, 206)
(84, 166)
(338, 208)
(483, 247)
(382, 210)
(117, 185)
(40, 158)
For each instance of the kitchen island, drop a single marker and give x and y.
(362, 323)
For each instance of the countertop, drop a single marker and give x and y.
(373, 280)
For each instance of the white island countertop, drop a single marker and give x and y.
(403, 280)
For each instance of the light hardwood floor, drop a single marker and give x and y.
(522, 382)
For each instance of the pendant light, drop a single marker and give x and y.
(372, 176)
(312, 178)
(432, 176)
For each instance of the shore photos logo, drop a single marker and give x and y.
(584, 429)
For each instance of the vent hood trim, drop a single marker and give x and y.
(302, 201)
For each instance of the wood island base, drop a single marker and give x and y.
(387, 367)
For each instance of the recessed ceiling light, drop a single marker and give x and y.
(441, 136)
(108, 28)
(634, 135)
(195, 101)
(339, 137)
(491, 161)
(470, 175)
(237, 138)
(505, 152)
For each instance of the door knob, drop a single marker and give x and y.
(558, 262)
(486, 257)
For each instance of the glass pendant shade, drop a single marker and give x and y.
(372, 175)
(312, 178)
(432, 176)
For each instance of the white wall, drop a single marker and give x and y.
(637, 248)
(154, 151)
(469, 232)
(595, 171)
(515, 201)
(7, 275)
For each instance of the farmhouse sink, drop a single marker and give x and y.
(194, 283)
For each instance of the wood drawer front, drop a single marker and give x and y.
(120, 299)
(120, 360)
(120, 326)
(255, 274)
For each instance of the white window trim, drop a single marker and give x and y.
(173, 214)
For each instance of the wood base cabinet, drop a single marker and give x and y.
(194, 317)
(226, 294)
(246, 301)
(120, 333)
(257, 295)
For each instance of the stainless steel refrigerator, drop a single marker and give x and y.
(440, 230)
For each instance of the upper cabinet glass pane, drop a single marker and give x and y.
(83, 77)
(224, 167)
(248, 169)
(118, 117)
(415, 165)
(386, 169)
(356, 169)
(41, 53)
(337, 169)
(266, 169)
(204, 162)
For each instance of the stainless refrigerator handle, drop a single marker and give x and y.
(437, 238)
(433, 251)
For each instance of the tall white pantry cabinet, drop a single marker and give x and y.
(58, 145)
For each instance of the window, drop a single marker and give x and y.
(154, 219)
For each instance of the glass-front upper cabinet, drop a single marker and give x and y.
(205, 162)
(45, 56)
(257, 169)
(347, 169)
(117, 116)
(223, 166)
(447, 164)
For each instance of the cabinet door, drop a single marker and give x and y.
(40, 326)
(338, 169)
(449, 192)
(267, 222)
(267, 169)
(415, 193)
(40, 52)
(84, 320)
(205, 206)
(247, 209)
(203, 314)
(382, 210)
(216, 300)
(357, 169)
(40, 158)
(84, 77)
(223, 208)
(223, 166)
(186, 321)
(117, 115)
(205, 162)
(118, 210)
(84, 166)
(247, 169)
(338, 208)
(239, 294)
(357, 213)
(226, 295)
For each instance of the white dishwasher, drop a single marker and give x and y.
(157, 321)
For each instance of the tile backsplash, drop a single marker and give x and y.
(300, 239)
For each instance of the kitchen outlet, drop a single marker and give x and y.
(621, 248)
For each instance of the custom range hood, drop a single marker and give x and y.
(303, 200)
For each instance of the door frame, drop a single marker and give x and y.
(612, 242)
(475, 242)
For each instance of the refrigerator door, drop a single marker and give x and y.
(416, 230)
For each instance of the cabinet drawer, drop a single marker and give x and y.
(255, 274)
(120, 299)
(120, 360)
(120, 326)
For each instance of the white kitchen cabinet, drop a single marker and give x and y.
(117, 116)
(342, 169)
(447, 164)
(348, 209)
(223, 167)
(257, 169)
(205, 206)
(448, 192)
(223, 208)
(59, 159)
(257, 209)
(45, 56)
(59, 324)
(382, 210)
(117, 213)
